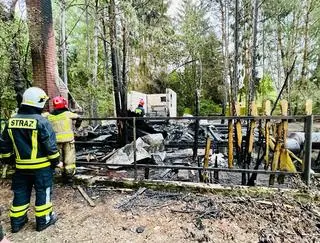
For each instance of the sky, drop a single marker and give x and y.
(173, 7)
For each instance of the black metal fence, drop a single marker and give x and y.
(305, 172)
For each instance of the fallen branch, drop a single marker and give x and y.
(271, 204)
(134, 196)
(185, 211)
(116, 189)
(85, 195)
(211, 212)
(284, 85)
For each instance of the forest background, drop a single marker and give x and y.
(218, 50)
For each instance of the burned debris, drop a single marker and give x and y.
(168, 144)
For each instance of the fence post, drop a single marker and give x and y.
(307, 149)
(135, 149)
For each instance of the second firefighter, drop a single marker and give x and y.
(62, 122)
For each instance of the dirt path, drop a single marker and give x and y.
(168, 217)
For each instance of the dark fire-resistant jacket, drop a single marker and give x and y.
(30, 138)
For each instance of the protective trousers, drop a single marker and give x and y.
(22, 185)
(68, 157)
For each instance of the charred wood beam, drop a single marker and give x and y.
(209, 118)
(190, 168)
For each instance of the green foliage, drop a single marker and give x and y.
(11, 30)
(187, 111)
(291, 30)
(266, 89)
(301, 93)
(200, 51)
(208, 108)
(280, 8)
(182, 54)
(80, 35)
(162, 54)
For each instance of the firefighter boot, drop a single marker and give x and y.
(16, 228)
(53, 220)
(67, 179)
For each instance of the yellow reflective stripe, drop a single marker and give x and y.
(19, 208)
(71, 166)
(59, 117)
(30, 167)
(32, 161)
(5, 155)
(53, 156)
(14, 144)
(18, 211)
(34, 142)
(28, 102)
(43, 207)
(18, 214)
(64, 136)
(43, 213)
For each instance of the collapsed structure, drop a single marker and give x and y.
(175, 149)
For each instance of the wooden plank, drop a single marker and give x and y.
(267, 111)
(85, 196)
(207, 153)
(267, 107)
(230, 144)
(179, 186)
(109, 155)
(238, 127)
(284, 112)
(308, 107)
(254, 112)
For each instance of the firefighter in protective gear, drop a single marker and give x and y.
(61, 120)
(140, 110)
(29, 140)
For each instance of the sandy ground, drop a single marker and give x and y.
(162, 217)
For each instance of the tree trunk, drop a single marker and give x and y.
(105, 49)
(117, 84)
(305, 44)
(124, 89)
(114, 56)
(252, 91)
(235, 80)
(95, 62)
(124, 67)
(225, 48)
(247, 54)
(88, 63)
(63, 43)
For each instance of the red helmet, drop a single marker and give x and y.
(59, 102)
(141, 102)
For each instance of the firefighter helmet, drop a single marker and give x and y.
(141, 101)
(35, 97)
(59, 102)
